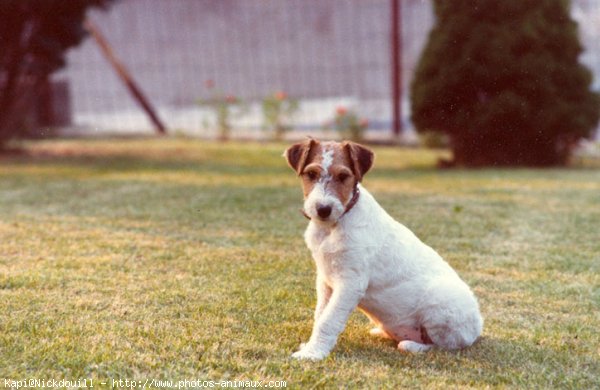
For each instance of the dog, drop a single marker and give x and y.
(367, 260)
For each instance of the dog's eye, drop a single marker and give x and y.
(312, 175)
(342, 177)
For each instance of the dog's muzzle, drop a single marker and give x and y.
(324, 211)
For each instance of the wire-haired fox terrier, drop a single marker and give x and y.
(366, 259)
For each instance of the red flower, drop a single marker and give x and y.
(280, 95)
(230, 99)
(209, 83)
(341, 110)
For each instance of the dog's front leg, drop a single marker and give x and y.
(331, 322)
(323, 296)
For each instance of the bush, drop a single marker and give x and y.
(222, 106)
(34, 37)
(433, 140)
(501, 78)
(278, 111)
(348, 124)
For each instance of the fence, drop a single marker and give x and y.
(325, 53)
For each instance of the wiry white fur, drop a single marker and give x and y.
(368, 260)
(327, 159)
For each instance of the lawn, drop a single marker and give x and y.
(179, 259)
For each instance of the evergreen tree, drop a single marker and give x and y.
(34, 37)
(502, 79)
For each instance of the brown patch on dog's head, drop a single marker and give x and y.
(297, 154)
(361, 157)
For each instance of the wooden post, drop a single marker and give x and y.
(125, 76)
(396, 45)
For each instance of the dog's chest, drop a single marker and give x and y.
(328, 249)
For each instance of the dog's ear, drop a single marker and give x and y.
(361, 158)
(297, 154)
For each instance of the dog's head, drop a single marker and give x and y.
(330, 172)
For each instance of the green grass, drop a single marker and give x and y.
(180, 259)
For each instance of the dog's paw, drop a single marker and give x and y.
(413, 346)
(307, 353)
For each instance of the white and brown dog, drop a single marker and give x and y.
(366, 259)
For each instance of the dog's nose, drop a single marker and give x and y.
(323, 211)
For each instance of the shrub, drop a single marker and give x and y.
(348, 124)
(433, 140)
(34, 37)
(221, 106)
(278, 111)
(502, 79)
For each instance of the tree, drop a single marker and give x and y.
(501, 79)
(34, 37)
